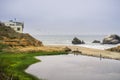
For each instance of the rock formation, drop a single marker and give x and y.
(12, 38)
(112, 39)
(115, 49)
(96, 41)
(77, 41)
(66, 49)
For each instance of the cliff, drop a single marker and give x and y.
(11, 38)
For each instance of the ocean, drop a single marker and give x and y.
(66, 40)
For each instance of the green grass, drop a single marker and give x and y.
(12, 65)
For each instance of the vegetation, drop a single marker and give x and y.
(12, 38)
(115, 49)
(3, 46)
(12, 65)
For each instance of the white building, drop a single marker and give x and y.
(17, 26)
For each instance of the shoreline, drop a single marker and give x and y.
(84, 50)
(98, 53)
(89, 45)
(92, 52)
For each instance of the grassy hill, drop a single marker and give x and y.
(12, 38)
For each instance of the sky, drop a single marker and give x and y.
(64, 17)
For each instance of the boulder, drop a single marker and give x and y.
(115, 49)
(96, 41)
(77, 41)
(112, 39)
(66, 49)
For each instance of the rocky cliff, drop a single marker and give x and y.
(11, 38)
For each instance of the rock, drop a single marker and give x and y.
(96, 41)
(11, 38)
(77, 41)
(112, 39)
(115, 49)
(76, 51)
(66, 49)
(83, 42)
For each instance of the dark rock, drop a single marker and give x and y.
(76, 51)
(96, 41)
(77, 41)
(115, 49)
(83, 42)
(112, 39)
(67, 49)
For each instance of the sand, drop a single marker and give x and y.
(94, 52)
(84, 50)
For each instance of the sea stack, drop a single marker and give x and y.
(111, 39)
(77, 41)
(96, 41)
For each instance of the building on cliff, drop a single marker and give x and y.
(17, 26)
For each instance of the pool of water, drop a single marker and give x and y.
(75, 67)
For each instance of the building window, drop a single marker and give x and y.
(12, 25)
(18, 29)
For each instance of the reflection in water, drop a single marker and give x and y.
(70, 67)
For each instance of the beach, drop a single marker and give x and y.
(95, 52)
(84, 51)
(72, 30)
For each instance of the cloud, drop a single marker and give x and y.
(64, 16)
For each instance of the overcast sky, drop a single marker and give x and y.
(64, 16)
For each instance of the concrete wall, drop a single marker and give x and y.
(17, 28)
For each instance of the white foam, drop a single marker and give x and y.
(98, 46)
(92, 45)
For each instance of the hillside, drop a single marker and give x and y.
(11, 38)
